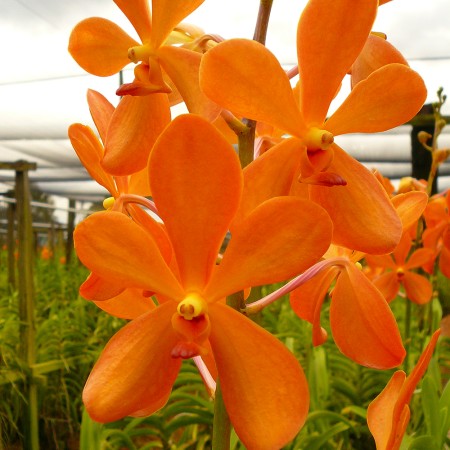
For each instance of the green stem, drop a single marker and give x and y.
(221, 424)
(246, 137)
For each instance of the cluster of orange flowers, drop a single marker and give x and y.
(303, 210)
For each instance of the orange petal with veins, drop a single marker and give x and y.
(135, 125)
(138, 13)
(387, 98)
(99, 46)
(388, 414)
(418, 289)
(410, 207)
(127, 305)
(182, 66)
(270, 175)
(97, 288)
(196, 181)
(278, 240)
(90, 152)
(114, 247)
(377, 52)
(258, 89)
(330, 36)
(135, 372)
(167, 14)
(380, 413)
(362, 214)
(388, 284)
(362, 323)
(101, 111)
(251, 362)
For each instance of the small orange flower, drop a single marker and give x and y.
(102, 48)
(196, 184)
(399, 271)
(388, 415)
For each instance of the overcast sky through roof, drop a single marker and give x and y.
(34, 36)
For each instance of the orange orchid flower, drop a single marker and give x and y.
(196, 184)
(376, 53)
(363, 326)
(398, 271)
(91, 152)
(110, 297)
(102, 48)
(437, 234)
(388, 415)
(329, 40)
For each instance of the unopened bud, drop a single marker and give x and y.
(423, 137)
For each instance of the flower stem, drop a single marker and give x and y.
(246, 138)
(221, 424)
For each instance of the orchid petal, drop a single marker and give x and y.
(99, 46)
(196, 183)
(133, 258)
(419, 258)
(418, 289)
(182, 66)
(362, 323)
(330, 36)
(387, 98)
(135, 125)
(135, 372)
(380, 411)
(127, 305)
(270, 175)
(167, 14)
(377, 52)
(98, 288)
(388, 415)
(362, 214)
(251, 362)
(444, 262)
(388, 284)
(101, 111)
(279, 239)
(258, 89)
(410, 207)
(90, 152)
(139, 183)
(306, 301)
(138, 13)
(401, 252)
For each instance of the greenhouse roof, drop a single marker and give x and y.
(42, 90)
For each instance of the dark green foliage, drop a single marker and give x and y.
(74, 331)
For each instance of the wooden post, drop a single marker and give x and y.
(421, 158)
(70, 228)
(26, 298)
(11, 242)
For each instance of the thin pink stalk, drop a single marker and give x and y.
(123, 199)
(254, 307)
(206, 375)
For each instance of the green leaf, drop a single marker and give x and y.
(424, 443)
(430, 406)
